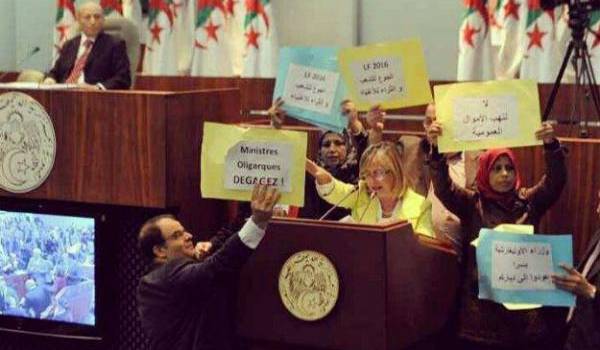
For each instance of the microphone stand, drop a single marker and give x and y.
(373, 194)
(336, 205)
(28, 56)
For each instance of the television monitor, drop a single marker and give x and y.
(48, 269)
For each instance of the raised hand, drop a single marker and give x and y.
(546, 133)
(433, 129)
(321, 175)
(263, 200)
(202, 248)
(276, 114)
(350, 111)
(375, 118)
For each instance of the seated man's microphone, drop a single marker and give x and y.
(22, 60)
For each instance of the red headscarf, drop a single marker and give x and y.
(486, 162)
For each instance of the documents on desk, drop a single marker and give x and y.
(36, 86)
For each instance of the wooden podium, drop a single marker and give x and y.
(396, 288)
(134, 148)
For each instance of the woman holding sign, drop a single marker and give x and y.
(338, 153)
(499, 199)
(382, 194)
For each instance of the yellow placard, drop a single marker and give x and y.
(494, 114)
(393, 75)
(234, 158)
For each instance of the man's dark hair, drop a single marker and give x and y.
(150, 235)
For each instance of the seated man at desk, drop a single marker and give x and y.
(93, 59)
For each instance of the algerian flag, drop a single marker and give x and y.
(475, 59)
(510, 53)
(261, 47)
(65, 24)
(216, 39)
(160, 57)
(112, 8)
(541, 49)
(496, 21)
(132, 9)
(593, 42)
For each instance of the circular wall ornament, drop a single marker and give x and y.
(27, 143)
(308, 285)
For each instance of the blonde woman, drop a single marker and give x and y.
(382, 194)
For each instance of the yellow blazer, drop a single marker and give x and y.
(414, 208)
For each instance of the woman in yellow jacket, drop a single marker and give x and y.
(382, 195)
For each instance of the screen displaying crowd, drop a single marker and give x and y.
(47, 267)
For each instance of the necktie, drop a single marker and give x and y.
(80, 63)
(586, 269)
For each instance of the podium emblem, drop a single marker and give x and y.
(308, 285)
(27, 143)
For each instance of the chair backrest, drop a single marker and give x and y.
(125, 29)
(30, 75)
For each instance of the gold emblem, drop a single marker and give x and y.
(308, 285)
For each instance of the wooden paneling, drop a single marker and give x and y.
(107, 145)
(186, 114)
(375, 310)
(8, 76)
(134, 148)
(178, 83)
(255, 93)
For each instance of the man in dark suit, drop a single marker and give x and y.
(584, 282)
(94, 59)
(185, 301)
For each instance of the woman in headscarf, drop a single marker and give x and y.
(499, 199)
(338, 154)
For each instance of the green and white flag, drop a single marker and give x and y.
(540, 47)
(160, 57)
(64, 25)
(216, 44)
(475, 56)
(512, 36)
(261, 47)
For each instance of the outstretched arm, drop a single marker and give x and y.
(547, 191)
(330, 189)
(230, 258)
(458, 200)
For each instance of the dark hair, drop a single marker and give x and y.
(150, 235)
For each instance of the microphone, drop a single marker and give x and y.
(22, 60)
(373, 194)
(337, 204)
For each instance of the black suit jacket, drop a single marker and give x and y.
(107, 63)
(185, 304)
(584, 332)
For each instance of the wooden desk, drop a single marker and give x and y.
(134, 148)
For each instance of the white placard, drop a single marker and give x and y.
(310, 88)
(251, 162)
(379, 79)
(481, 118)
(522, 266)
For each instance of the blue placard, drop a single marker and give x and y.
(517, 268)
(309, 82)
